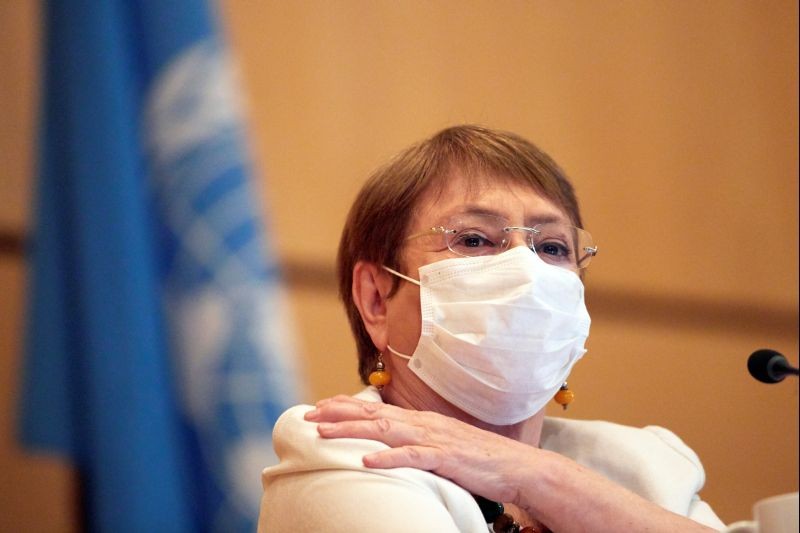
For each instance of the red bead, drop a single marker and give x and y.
(505, 524)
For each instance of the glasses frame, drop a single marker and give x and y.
(581, 263)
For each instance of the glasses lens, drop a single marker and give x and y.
(476, 234)
(563, 245)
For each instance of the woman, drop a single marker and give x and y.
(460, 268)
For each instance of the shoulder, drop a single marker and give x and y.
(591, 438)
(323, 484)
(652, 461)
(300, 448)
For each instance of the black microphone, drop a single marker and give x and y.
(769, 366)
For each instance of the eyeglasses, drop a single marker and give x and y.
(472, 235)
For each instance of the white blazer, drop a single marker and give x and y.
(322, 485)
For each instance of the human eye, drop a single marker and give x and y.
(554, 249)
(473, 241)
(554, 246)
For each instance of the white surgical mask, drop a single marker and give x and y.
(500, 333)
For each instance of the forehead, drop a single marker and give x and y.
(459, 194)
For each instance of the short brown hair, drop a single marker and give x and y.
(378, 220)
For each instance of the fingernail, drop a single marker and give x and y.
(311, 415)
(325, 426)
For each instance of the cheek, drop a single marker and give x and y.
(405, 321)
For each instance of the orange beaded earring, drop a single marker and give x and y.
(563, 397)
(379, 377)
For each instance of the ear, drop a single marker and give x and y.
(371, 285)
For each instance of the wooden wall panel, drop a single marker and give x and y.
(678, 122)
(37, 492)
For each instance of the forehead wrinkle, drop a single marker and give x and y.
(546, 219)
(475, 209)
(473, 184)
(478, 209)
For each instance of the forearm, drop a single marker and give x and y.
(550, 487)
(568, 497)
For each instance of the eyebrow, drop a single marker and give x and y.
(475, 209)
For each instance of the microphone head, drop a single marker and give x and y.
(767, 365)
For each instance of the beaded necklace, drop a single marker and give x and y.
(494, 513)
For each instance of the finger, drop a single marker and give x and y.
(389, 432)
(342, 398)
(420, 457)
(336, 410)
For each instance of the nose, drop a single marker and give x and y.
(518, 236)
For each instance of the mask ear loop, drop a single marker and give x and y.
(415, 282)
(398, 354)
(403, 276)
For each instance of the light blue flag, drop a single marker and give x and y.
(158, 356)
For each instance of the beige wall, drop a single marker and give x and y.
(677, 121)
